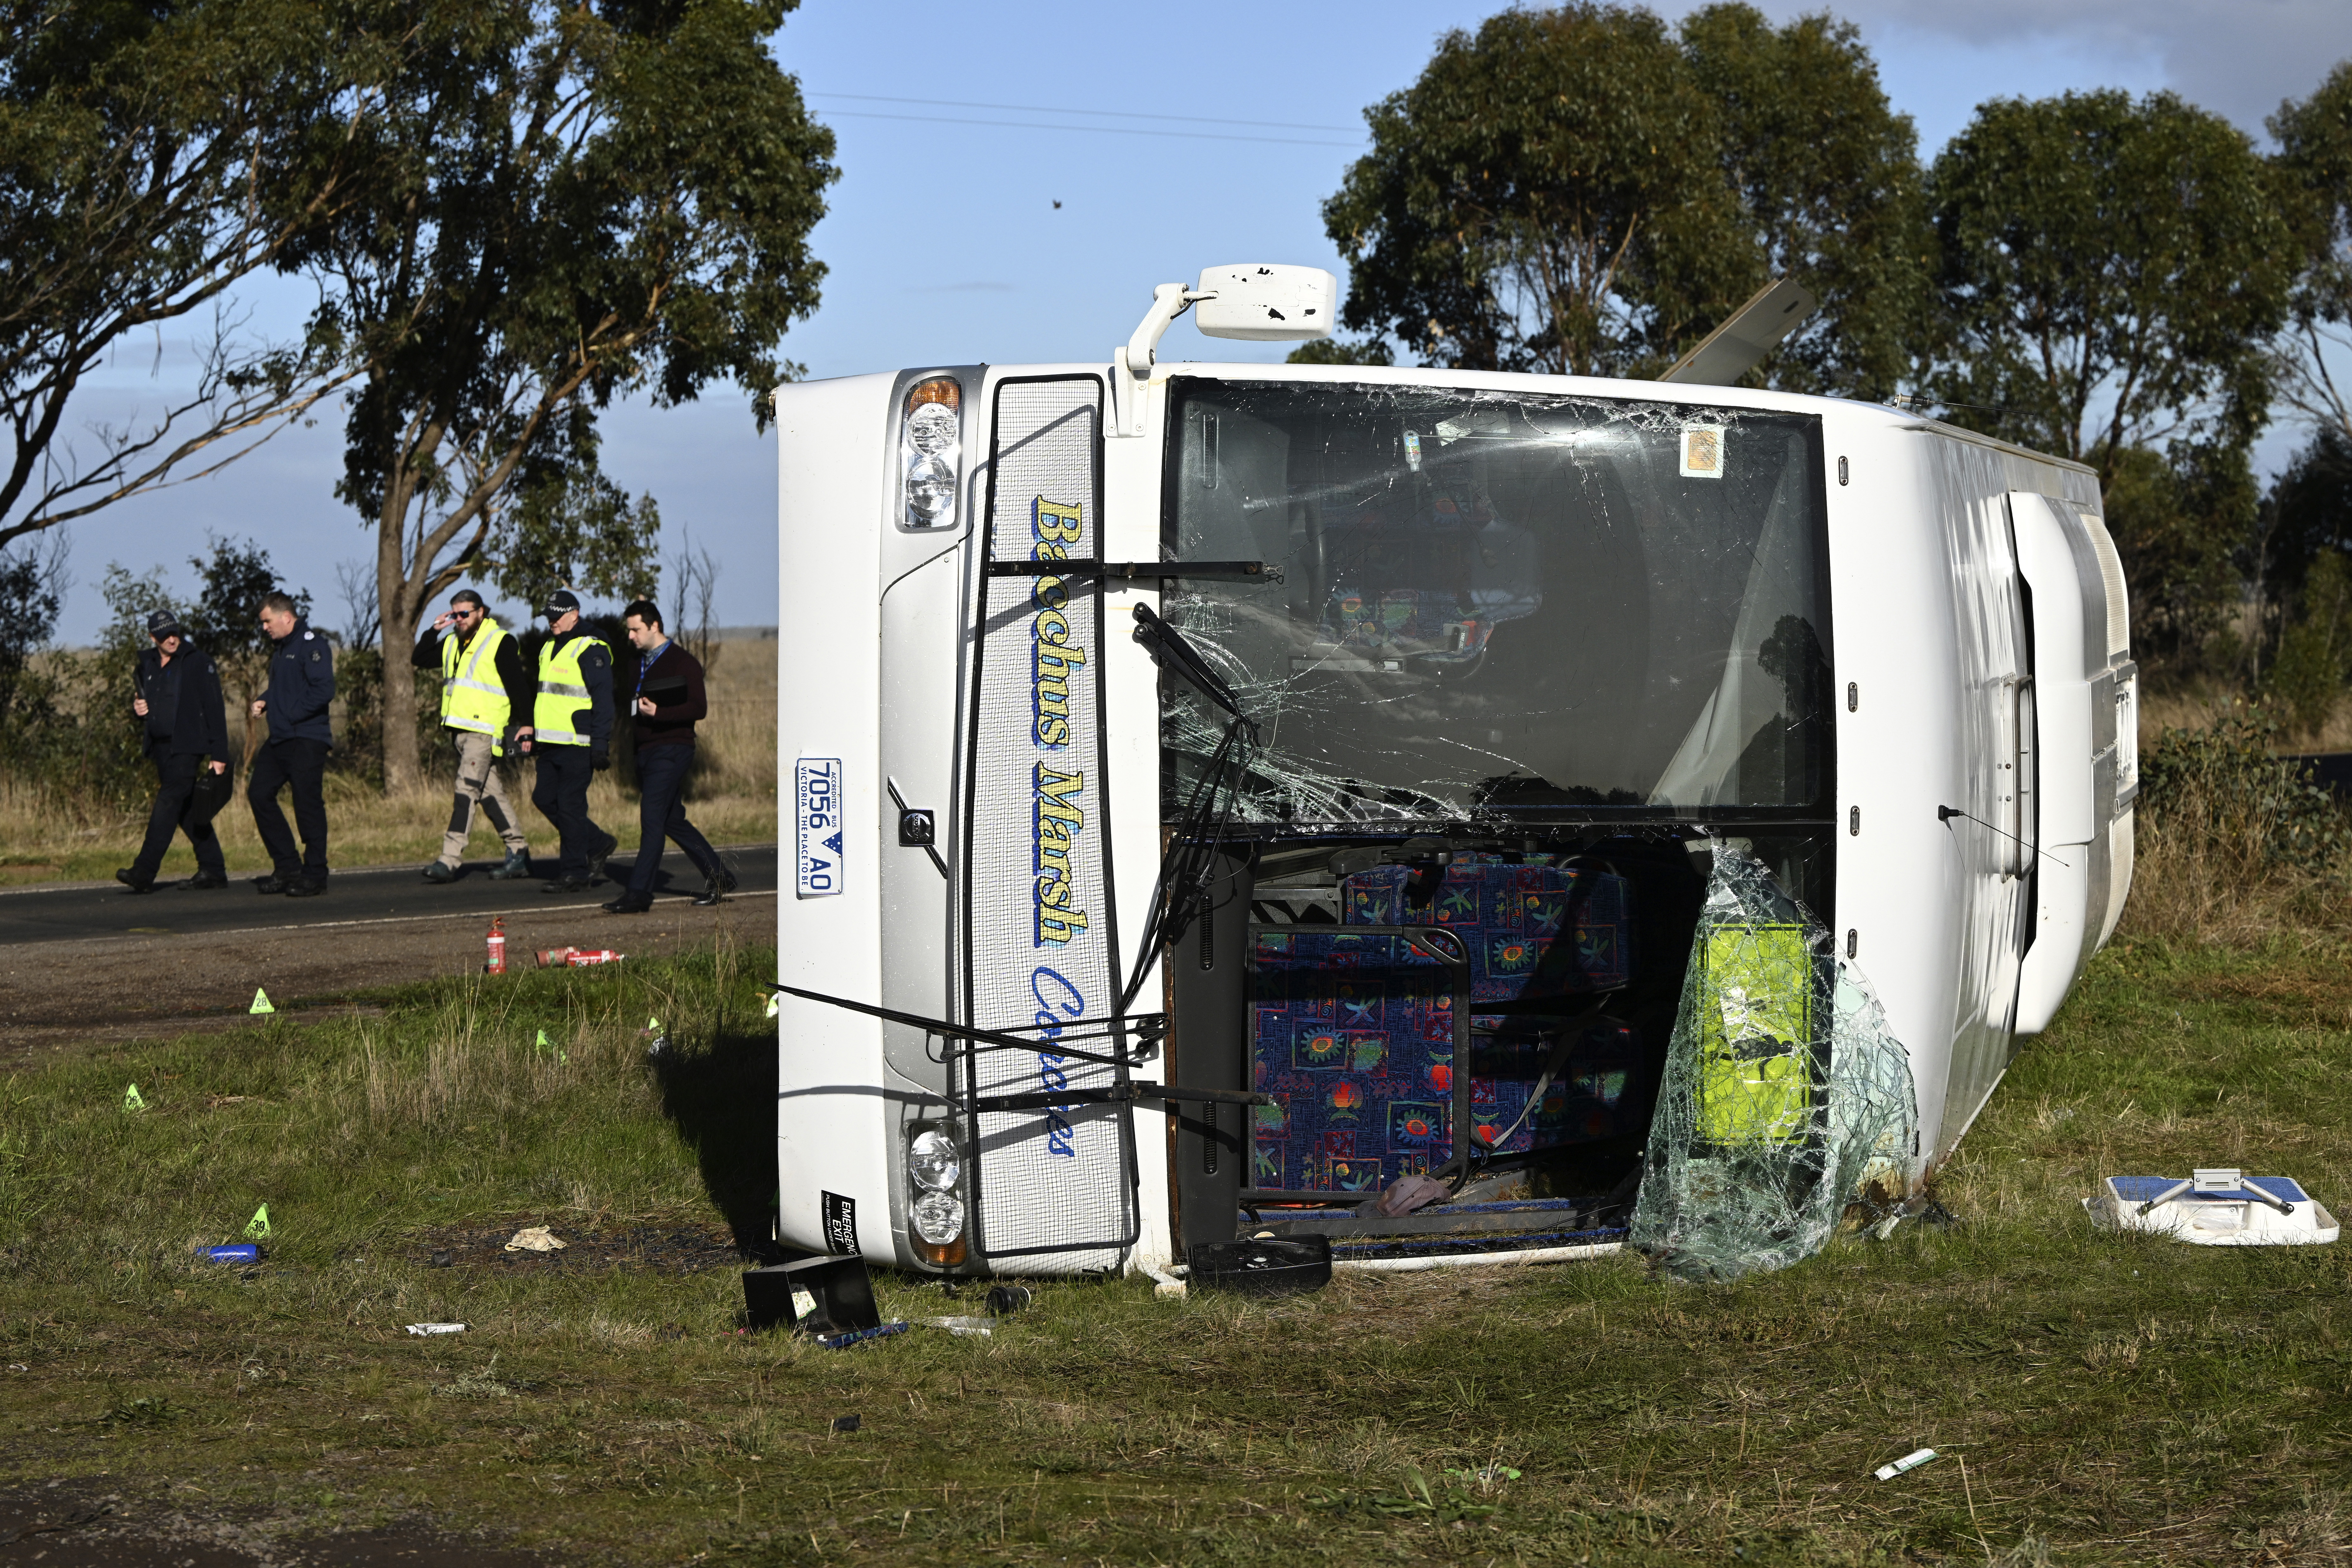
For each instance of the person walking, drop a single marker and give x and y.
(571, 733)
(482, 688)
(179, 697)
(665, 702)
(302, 685)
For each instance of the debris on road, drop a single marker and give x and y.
(497, 962)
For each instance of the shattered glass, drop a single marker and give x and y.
(1786, 1096)
(1495, 602)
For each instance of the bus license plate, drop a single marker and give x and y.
(816, 794)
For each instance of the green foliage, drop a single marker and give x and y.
(574, 528)
(2314, 162)
(151, 156)
(1828, 178)
(1547, 196)
(2226, 798)
(1332, 350)
(1574, 190)
(564, 204)
(30, 591)
(2315, 652)
(2178, 521)
(2110, 274)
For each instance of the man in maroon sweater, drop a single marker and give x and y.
(665, 698)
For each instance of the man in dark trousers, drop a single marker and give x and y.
(571, 733)
(666, 699)
(302, 685)
(186, 738)
(483, 692)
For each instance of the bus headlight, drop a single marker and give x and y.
(930, 451)
(930, 493)
(937, 1217)
(932, 1161)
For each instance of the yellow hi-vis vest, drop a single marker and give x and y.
(471, 695)
(562, 692)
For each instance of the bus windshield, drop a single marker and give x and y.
(1499, 604)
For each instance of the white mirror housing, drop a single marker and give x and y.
(1265, 304)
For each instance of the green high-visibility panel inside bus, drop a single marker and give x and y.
(1755, 1046)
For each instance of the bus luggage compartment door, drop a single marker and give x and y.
(1054, 1181)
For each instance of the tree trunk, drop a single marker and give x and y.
(396, 605)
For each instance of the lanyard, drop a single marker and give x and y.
(646, 662)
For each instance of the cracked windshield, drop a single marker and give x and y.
(1497, 605)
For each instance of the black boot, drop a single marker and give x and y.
(128, 876)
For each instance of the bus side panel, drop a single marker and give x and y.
(832, 1132)
(1990, 869)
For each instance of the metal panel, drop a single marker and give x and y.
(1055, 1187)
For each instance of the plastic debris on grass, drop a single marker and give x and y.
(536, 1238)
(1785, 1094)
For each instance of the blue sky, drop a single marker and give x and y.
(944, 244)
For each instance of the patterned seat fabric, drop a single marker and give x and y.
(1352, 1033)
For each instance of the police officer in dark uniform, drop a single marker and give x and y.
(179, 701)
(302, 685)
(571, 733)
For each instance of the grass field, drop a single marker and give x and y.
(733, 801)
(2096, 1399)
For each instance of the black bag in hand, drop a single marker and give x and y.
(212, 793)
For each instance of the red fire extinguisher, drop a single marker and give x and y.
(497, 963)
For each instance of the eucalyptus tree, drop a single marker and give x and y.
(567, 203)
(150, 157)
(1547, 195)
(2315, 156)
(2112, 272)
(1580, 190)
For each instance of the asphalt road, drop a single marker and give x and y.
(373, 897)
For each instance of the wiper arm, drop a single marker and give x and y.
(1178, 658)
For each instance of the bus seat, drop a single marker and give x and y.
(1353, 1033)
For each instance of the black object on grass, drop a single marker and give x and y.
(820, 1296)
(1269, 1266)
(845, 1422)
(1005, 1300)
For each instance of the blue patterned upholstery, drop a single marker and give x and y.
(1352, 1033)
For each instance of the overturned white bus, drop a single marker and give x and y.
(1222, 790)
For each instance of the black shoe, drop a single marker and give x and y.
(596, 858)
(568, 885)
(130, 878)
(626, 905)
(437, 872)
(306, 888)
(272, 883)
(202, 880)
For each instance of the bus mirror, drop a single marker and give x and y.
(1265, 304)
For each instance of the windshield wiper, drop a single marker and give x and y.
(1179, 659)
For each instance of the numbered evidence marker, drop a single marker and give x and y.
(817, 828)
(261, 1001)
(775, 1003)
(257, 1227)
(132, 1099)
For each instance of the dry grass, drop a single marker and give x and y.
(43, 839)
